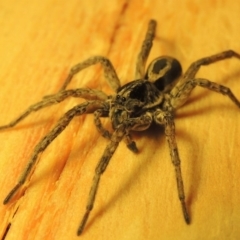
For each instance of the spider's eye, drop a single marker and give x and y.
(120, 98)
(164, 71)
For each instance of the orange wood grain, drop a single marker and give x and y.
(137, 199)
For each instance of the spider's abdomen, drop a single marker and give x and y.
(164, 72)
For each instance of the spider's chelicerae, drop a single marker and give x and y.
(153, 96)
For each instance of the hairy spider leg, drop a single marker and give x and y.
(166, 118)
(104, 132)
(145, 50)
(116, 137)
(42, 145)
(109, 71)
(184, 87)
(88, 94)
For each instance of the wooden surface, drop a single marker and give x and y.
(137, 199)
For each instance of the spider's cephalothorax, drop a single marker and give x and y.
(132, 100)
(154, 96)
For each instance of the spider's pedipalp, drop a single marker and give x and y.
(106, 134)
(130, 143)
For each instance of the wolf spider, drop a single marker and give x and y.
(152, 97)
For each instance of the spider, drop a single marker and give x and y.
(152, 97)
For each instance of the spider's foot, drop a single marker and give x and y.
(185, 213)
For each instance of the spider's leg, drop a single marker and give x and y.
(86, 93)
(195, 66)
(145, 50)
(42, 145)
(109, 71)
(167, 119)
(185, 89)
(49, 100)
(120, 132)
(116, 137)
(106, 134)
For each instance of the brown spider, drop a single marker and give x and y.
(152, 97)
